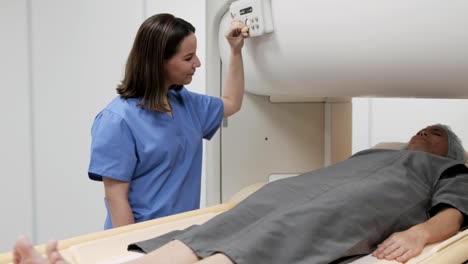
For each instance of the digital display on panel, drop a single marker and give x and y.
(246, 10)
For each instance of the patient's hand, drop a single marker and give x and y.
(401, 246)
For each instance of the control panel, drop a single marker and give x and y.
(255, 14)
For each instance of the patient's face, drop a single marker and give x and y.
(432, 139)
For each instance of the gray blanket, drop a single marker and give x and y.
(330, 214)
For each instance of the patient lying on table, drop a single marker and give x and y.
(390, 203)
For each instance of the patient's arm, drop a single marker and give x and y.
(402, 246)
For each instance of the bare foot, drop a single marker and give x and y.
(53, 255)
(24, 253)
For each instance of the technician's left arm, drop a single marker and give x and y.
(234, 86)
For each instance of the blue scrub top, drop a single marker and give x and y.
(158, 154)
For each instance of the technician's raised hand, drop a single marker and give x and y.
(234, 86)
(236, 34)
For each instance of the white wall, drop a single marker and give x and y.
(384, 119)
(78, 49)
(16, 195)
(61, 62)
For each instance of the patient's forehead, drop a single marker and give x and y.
(435, 129)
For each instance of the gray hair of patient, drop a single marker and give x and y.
(455, 146)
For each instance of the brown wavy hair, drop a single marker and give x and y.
(157, 40)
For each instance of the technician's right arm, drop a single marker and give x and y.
(117, 201)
